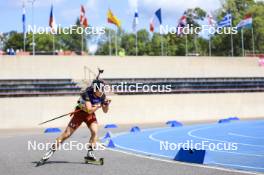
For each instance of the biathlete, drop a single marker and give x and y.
(92, 99)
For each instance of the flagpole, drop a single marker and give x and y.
(232, 46)
(24, 43)
(33, 33)
(242, 41)
(211, 24)
(210, 46)
(136, 43)
(53, 38)
(232, 43)
(24, 28)
(186, 45)
(116, 42)
(165, 47)
(161, 44)
(135, 23)
(82, 44)
(53, 34)
(253, 40)
(110, 44)
(195, 44)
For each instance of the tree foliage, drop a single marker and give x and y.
(44, 42)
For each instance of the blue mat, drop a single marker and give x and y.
(246, 136)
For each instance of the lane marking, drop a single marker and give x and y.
(134, 150)
(159, 157)
(241, 166)
(245, 136)
(158, 132)
(151, 136)
(190, 133)
(143, 152)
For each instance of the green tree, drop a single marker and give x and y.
(44, 42)
(127, 42)
(239, 8)
(106, 42)
(144, 46)
(14, 40)
(257, 11)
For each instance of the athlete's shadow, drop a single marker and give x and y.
(62, 162)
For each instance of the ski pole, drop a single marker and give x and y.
(59, 117)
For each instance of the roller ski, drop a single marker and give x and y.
(91, 159)
(94, 162)
(46, 157)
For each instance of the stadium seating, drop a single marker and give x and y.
(49, 87)
(38, 87)
(197, 85)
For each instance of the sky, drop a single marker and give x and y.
(67, 11)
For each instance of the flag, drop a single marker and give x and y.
(245, 23)
(85, 23)
(24, 20)
(82, 15)
(156, 20)
(52, 22)
(111, 18)
(135, 21)
(151, 25)
(211, 20)
(182, 23)
(226, 21)
(83, 19)
(158, 15)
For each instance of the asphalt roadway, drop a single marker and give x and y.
(16, 159)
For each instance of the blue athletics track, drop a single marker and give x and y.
(248, 136)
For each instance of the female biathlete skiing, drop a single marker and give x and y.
(92, 99)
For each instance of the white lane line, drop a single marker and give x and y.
(128, 132)
(143, 152)
(190, 133)
(151, 136)
(183, 163)
(134, 150)
(240, 166)
(245, 136)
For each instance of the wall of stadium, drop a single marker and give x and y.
(28, 112)
(127, 67)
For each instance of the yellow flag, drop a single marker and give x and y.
(111, 18)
